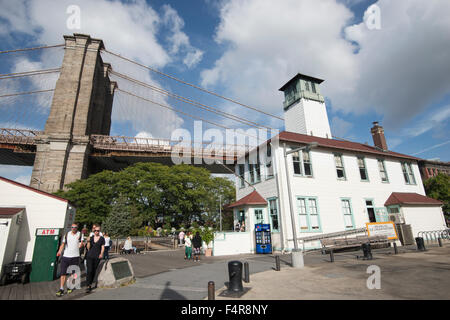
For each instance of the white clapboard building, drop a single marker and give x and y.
(23, 210)
(335, 185)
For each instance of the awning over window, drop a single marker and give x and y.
(253, 198)
(411, 199)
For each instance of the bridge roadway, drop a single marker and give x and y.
(18, 147)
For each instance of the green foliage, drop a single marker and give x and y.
(180, 194)
(439, 188)
(207, 235)
(119, 221)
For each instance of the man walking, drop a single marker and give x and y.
(71, 244)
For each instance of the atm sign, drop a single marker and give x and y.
(47, 232)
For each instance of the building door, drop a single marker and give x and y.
(371, 211)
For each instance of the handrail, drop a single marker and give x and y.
(332, 235)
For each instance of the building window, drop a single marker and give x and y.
(313, 87)
(241, 169)
(348, 214)
(254, 172)
(308, 215)
(408, 174)
(362, 169)
(302, 163)
(307, 85)
(291, 93)
(339, 166)
(259, 217)
(383, 173)
(269, 165)
(274, 221)
(240, 225)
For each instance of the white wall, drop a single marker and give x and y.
(229, 243)
(41, 212)
(424, 218)
(328, 189)
(306, 116)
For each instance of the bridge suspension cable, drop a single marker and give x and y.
(192, 102)
(24, 93)
(193, 85)
(35, 48)
(28, 73)
(179, 111)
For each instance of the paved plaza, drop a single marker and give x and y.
(165, 275)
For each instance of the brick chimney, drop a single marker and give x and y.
(378, 136)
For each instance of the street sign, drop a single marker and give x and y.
(382, 229)
(47, 232)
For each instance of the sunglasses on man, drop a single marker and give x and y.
(96, 230)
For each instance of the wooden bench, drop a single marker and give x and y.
(331, 245)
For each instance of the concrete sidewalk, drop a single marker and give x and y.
(408, 275)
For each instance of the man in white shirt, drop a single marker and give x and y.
(71, 244)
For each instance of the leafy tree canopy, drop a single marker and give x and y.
(154, 194)
(439, 188)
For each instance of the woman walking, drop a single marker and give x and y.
(188, 246)
(197, 244)
(96, 247)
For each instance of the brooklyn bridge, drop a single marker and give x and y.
(76, 140)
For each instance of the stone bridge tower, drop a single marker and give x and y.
(81, 106)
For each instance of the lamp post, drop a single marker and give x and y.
(220, 211)
(297, 257)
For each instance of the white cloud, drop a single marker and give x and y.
(264, 52)
(340, 127)
(17, 173)
(397, 71)
(128, 28)
(178, 39)
(434, 122)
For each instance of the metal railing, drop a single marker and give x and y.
(18, 136)
(142, 242)
(166, 146)
(323, 236)
(434, 235)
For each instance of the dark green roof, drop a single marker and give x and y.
(302, 76)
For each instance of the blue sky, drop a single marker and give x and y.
(246, 50)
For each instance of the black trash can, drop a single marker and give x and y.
(420, 244)
(367, 250)
(235, 273)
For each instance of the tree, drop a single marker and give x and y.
(119, 222)
(438, 188)
(179, 194)
(92, 197)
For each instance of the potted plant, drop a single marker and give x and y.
(208, 237)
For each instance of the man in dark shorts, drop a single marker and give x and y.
(71, 245)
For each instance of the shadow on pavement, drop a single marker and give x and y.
(169, 294)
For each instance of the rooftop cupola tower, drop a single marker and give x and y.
(304, 107)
